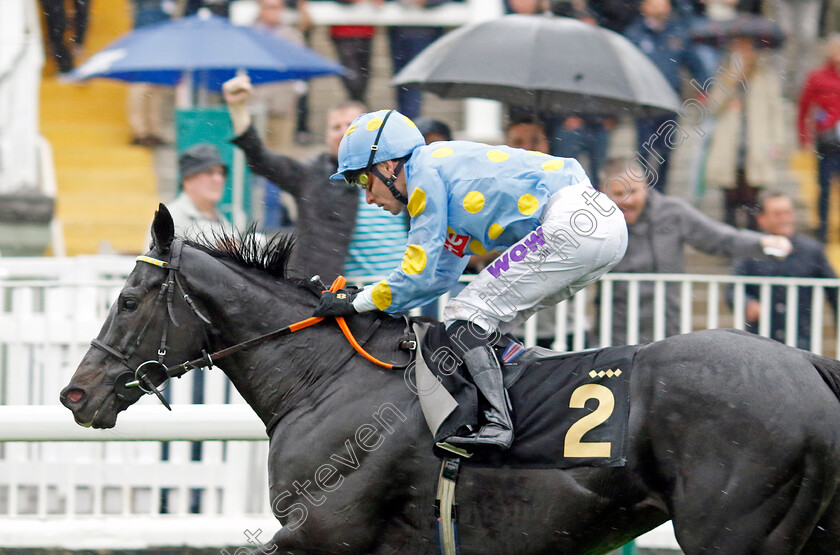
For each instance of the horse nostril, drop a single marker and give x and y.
(75, 395)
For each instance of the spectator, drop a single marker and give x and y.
(406, 41)
(808, 260)
(353, 44)
(615, 15)
(663, 37)
(433, 130)
(305, 24)
(280, 99)
(55, 15)
(220, 8)
(749, 131)
(335, 224)
(584, 137)
(659, 228)
(819, 114)
(526, 7)
(800, 20)
(203, 177)
(145, 100)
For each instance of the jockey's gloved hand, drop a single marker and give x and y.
(336, 304)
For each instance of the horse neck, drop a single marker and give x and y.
(282, 373)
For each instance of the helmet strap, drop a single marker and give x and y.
(389, 181)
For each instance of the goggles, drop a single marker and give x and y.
(359, 179)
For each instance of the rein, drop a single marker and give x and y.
(131, 385)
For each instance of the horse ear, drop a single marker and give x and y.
(163, 229)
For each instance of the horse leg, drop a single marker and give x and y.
(752, 509)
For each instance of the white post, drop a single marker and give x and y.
(483, 118)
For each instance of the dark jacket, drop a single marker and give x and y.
(808, 261)
(669, 49)
(656, 244)
(326, 209)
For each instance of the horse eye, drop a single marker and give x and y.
(129, 304)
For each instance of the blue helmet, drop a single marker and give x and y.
(376, 137)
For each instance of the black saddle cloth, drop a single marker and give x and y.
(568, 409)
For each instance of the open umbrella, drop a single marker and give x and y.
(545, 63)
(209, 48)
(765, 32)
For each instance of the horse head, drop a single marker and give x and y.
(153, 323)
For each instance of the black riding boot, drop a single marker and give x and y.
(486, 373)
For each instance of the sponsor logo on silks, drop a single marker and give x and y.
(456, 243)
(517, 253)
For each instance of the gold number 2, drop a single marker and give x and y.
(573, 446)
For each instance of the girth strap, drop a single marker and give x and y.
(446, 508)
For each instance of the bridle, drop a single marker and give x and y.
(133, 384)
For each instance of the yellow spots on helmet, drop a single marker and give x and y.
(381, 294)
(494, 231)
(442, 152)
(414, 260)
(373, 124)
(473, 202)
(350, 129)
(477, 247)
(417, 202)
(497, 155)
(528, 204)
(409, 122)
(552, 165)
(537, 153)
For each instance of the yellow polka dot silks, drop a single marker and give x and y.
(382, 295)
(414, 261)
(417, 202)
(467, 198)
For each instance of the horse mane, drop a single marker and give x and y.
(251, 249)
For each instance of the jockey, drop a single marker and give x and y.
(558, 234)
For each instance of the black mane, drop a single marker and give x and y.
(249, 249)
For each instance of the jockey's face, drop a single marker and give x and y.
(380, 195)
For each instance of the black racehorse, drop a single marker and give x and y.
(733, 437)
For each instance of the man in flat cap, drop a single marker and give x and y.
(203, 178)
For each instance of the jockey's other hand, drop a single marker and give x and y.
(336, 304)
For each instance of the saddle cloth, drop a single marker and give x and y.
(568, 409)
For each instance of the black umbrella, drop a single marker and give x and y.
(549, 64)
(765, 32)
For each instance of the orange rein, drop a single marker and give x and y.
(339, 283)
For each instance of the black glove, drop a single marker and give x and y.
(339, 303)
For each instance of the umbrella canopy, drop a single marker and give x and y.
(211, 47)
(553, 64)
(765, 32)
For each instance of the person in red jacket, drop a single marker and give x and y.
(819, 123)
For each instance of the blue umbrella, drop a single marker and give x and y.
(211, 48)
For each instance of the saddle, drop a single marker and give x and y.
(569, 409)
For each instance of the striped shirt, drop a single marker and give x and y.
(378, 242)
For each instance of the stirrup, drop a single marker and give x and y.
(478, 438)
(452, 449)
